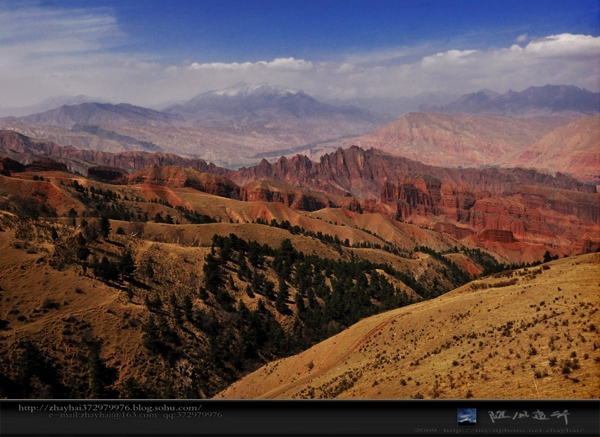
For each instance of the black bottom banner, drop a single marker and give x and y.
(298, 418)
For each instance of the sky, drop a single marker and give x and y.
(146, 52)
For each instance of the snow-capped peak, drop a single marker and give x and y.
(243, 89)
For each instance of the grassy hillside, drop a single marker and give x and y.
(176, 317)
(149, 291)
(531, 333)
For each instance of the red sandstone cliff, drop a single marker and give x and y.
(363, 173)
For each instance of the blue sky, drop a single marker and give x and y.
(150, 51)
(234, 31)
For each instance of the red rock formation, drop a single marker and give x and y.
(536, 208)
(363, 174)
(351, 171)
(414, 196)
(499, 236)
(457, 232)
(281, 192)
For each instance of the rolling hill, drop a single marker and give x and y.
(178, 283)
(92, 113)
(525, 334)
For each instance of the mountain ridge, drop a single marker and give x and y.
(535, 100)
(453, 140)
(94, 113)
(572, 149)
(517, 212)
(258, 104)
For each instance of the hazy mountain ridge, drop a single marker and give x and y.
(229, 127)
(237, 126)
(572, 149)
(453, 140)
(393, 108)
(93, 113)
(48, 104)
(25, 149)
(264, 104)
(545, 100)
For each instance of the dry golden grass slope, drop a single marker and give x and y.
(529, 334)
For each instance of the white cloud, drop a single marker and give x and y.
(282, 64)
(565, 45)
(38, 31)
(449, 57)
(522, 38)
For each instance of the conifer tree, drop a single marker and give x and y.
(282, 295)
(104, 227)
(101, 375)
(188, 308)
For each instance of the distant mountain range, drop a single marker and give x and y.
(545, 100)
(392, 108)
(453, 140)
(231, 127)
(240, 125)
(92, 113)
(50, 103)
(249, 104)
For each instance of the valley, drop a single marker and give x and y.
(157, 254)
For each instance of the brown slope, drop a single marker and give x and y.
(179, 177)
(370, 228)
(453, 140)
(49, 191)
(63, 136)
(61, 309)
(22, 148)
(573, 149)
(508, 337)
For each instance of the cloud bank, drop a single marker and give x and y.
(47, 52)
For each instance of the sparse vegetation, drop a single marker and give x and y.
(210, 310)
